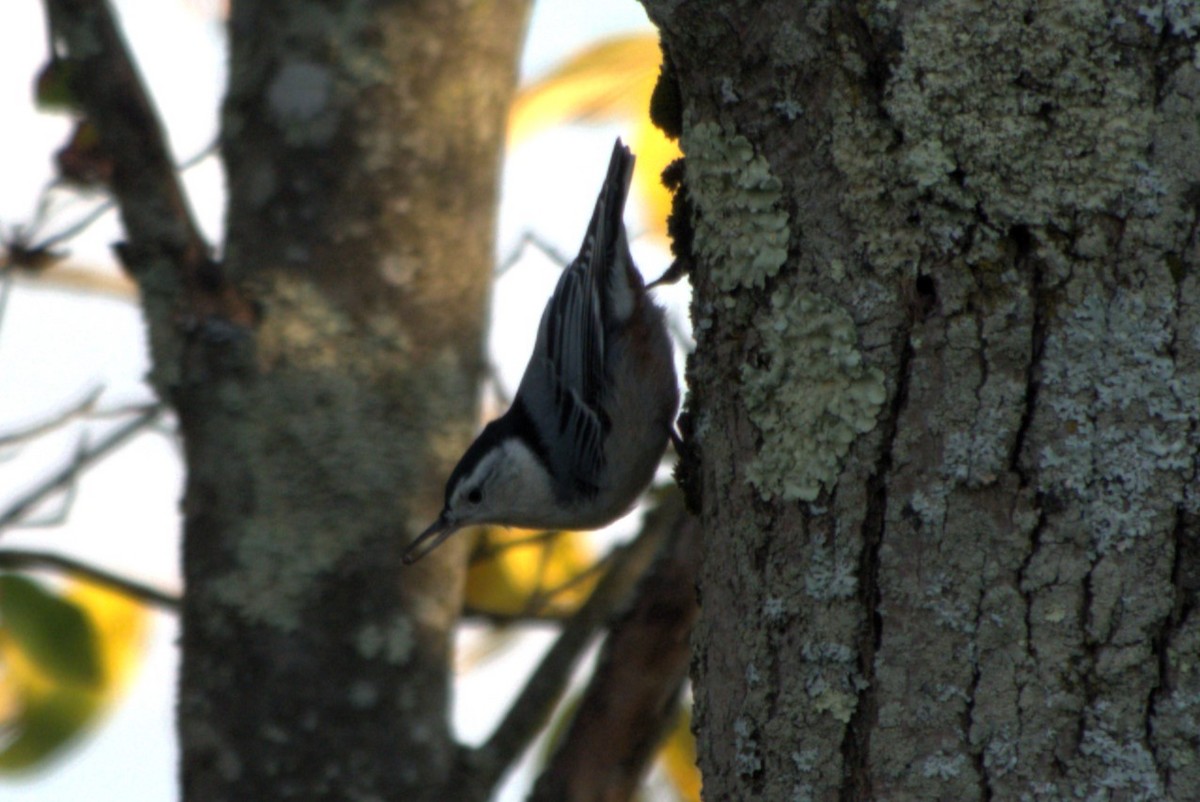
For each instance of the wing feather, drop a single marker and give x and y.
(563, 386)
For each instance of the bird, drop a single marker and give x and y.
(595, 407)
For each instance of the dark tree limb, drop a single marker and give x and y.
(633, 694)
(23, 558)
(481, 768)
(154, 209)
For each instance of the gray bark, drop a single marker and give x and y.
(363, 147)
(946, 397)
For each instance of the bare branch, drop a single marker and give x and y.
(86, 457)
(162, 232)
(55, 422)
(22, 558)
(5, 288)
(85, 222)
(479, 769)
(632, 697)
(106, 83)
(528, 239)
(548, 618)
(68, 498)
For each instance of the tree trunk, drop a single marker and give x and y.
(946, 396)
(363, 148)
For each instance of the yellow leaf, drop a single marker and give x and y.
(120, 624)
(609, 82)
(541, 573)
(42, 712)
(677, 757)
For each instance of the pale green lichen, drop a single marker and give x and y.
(313, 442)
(741, 231)
(810, 395)
(300, 97)
(944, 766)
(838, 701)
(1006, 130)
(394, 644)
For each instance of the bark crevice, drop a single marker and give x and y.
(855, 749)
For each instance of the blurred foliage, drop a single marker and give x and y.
(677, 757)
(516, 573)
(52, 87)
(63, 657)
(609, 81)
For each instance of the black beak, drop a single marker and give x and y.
(430, 539)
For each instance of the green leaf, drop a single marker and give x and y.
(45, 725)
(54, 633)
(52, 89)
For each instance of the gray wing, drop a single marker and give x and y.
(563, 385)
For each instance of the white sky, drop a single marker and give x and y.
(55, 346)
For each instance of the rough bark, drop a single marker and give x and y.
(947, 255)
(324, 374)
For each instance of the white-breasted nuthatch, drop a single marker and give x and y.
(595, 407)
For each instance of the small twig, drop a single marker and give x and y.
(76, 410)
(480, 768)
(80, 225)
(547, 618)
(68, 499)
(527, 239)
(125, 410)
(109, 204)
(86, 457)
(6, 280)
(22, 558)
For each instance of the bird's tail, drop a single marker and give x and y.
(610, 266)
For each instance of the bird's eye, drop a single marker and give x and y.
(475, 496)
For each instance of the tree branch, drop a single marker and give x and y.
(105, 82)
(632, 697)
(76, 410)
(154, 209)
(21, 558)
(64, 476)
(479, 769)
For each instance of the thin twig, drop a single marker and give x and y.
(480, 768)
(88, 456)
(527, 239)
(546, 618)
(23, 558)
(57, 421)
(81, 225)
(6, 280)
(68, 499)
